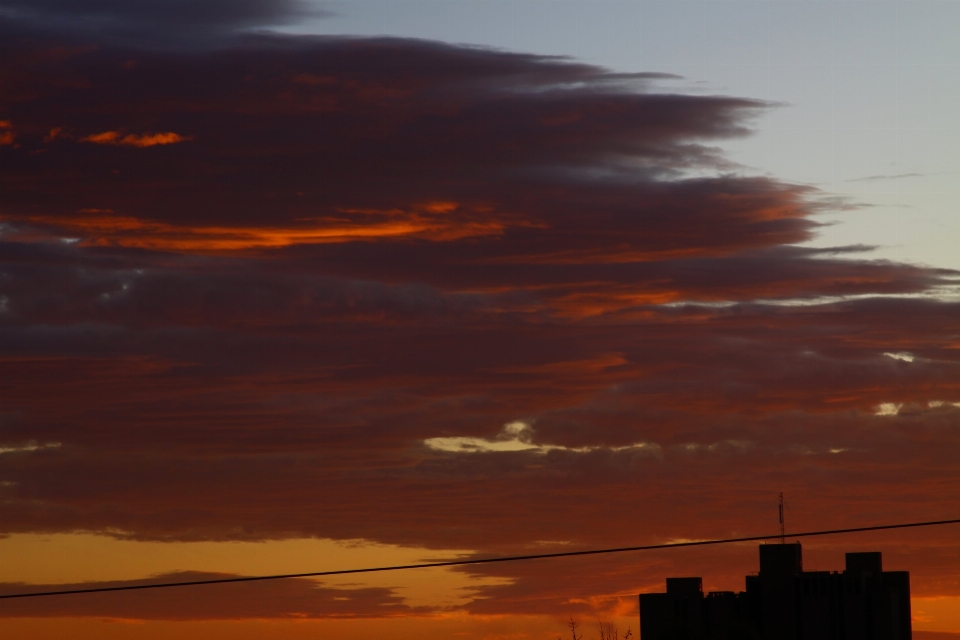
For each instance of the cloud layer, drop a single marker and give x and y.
(334, 272)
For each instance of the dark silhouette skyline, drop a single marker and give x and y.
(784, 602)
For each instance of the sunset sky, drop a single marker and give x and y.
(293, 286)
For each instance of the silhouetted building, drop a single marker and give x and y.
(784, 602)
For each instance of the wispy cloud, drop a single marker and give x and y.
(896, 176)
(518, 436)
(133, 140)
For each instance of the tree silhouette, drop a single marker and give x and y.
(606, 631)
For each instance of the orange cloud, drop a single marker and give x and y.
(278, 599)
(7, 136)
(100, 228)
(133, 140)
(56, 132)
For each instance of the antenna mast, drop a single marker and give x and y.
(783, 534)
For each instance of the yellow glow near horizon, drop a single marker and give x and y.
(462, 626)
(82, 557)
(940, 613)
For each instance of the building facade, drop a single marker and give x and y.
(784, 602)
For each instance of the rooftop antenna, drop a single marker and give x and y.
(783, 534)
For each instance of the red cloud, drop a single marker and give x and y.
(132, 140)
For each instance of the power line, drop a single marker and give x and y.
(456, 563)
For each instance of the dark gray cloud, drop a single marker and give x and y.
(151, 22)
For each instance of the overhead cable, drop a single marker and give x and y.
(475, 561)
